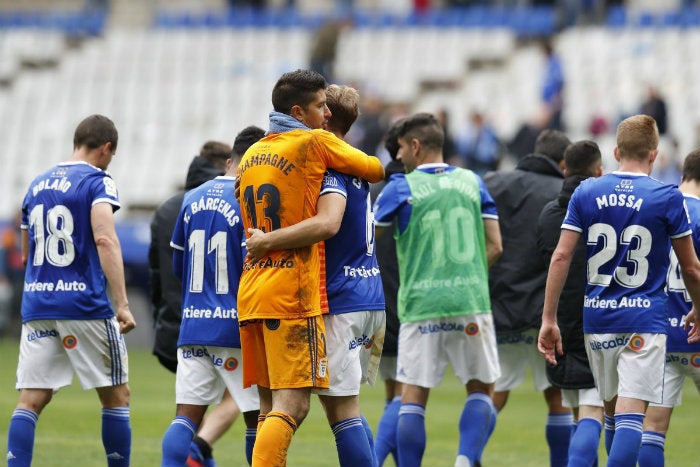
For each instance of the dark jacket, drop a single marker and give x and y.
(517, 279)
(389, 269)
(572, 370)
(166, 290)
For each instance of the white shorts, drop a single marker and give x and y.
(468, 343)
(387, 368)
(354, 344)
(51, 351)
(679, 366)
(573, 398)
(516, 352)
(628, 364)
(203, 372)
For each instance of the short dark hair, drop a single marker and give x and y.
(245, 139)
(94, 131)
(691, 166)
(296, 88)
(391, 139)
(344, 104)
(216, 153)
(582, 158)
(425, 128)
(552, 143)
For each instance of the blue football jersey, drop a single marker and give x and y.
(679, 302)
(395, 198)
(627, 220)
(209, 249)
(64, 279)
(353, 282)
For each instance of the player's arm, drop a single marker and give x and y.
(346, 159)
(494, 246)
(323, 225)
(690, 270)
(110, 253)
(549, 339)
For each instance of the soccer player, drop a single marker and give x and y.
(280, 301)
(572, 372)
(355, 325)
(447, 236)
(517, 281)
(627, 220)
(69, 247)
(166, 292)
(681, 356)
(208, 241)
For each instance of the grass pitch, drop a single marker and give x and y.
(68, 433)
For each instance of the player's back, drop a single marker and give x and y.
(627, 220)
(679, 302)
(353, 282)
(63, 279)
(209, 233)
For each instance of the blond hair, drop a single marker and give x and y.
(637, 136)
(344, 104)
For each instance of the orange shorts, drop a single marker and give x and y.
(284, 353)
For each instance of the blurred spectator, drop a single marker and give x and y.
(449, 148)
(478, 147)
(655, 106)
(667, 167)
(552, 88)
(523, 143)
(324, 45)
(367, 133)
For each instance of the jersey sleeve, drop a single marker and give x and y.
(677, 215)
(333, 182)
(388, 201)
(105, 191)
(339, 155)
(488, 205)
(177, 242)
(573, 219)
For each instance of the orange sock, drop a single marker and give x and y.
(272, 442)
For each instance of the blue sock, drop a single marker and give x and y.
(583, 448)
(558, 434)
(351, 443)
(370, 439)
(250, 434)
(474, 425)
(492, 426)
(385, 441)
(20, 438)
(651, 454)
(609, 432)
(628, 439)
(116, 436)
(176, 441)
(410, 433)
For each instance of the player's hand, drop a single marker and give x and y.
(125, 319)
(692, 325)
(549, 342)
(256, 244)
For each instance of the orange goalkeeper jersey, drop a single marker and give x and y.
(281, 179)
